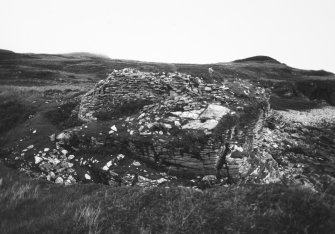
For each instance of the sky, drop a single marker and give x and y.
(300, 33)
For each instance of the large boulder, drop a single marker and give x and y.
(177, 121)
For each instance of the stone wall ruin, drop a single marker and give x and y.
(187, 126)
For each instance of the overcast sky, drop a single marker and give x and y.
(300, 33)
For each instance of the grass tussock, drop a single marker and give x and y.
(65, 115)
(88, 219)
(18, 192)
(41, 207)
(9, 89)
(12, 112)
(32, 93)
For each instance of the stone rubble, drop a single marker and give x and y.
(177, 108)
(303, 154)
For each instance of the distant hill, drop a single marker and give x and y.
(259, 58)
(86, 69)
(86, 54)
(6, 51)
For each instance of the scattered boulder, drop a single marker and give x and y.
(87, 177)
(38, 159)
(59, 180)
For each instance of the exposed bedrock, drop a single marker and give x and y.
(177, 122)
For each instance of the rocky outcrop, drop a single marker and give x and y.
(177, 121)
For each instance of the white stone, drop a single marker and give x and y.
(109, 164)
(71, 156)
(71, 178)
(34, 131)
(46, 149)
(136, 163)
(64, 152)
(52, 175)
(59, 180)
(120, 156)
(209, 178)
(224, 87)
(177, 123)
(54, 161)
(141, 116)
(238, 148)
(141, 128)
(149, 125)
(142, 179)
(38, 159)
(171, 118)
(167, 126)
(214, 111)
(67, 182)
(197, 124)
(161, 180)
(193, 114)
(62, 136)
(30, 147)
(87, 176)
(145, 133)
(113, 128)
(106, 167)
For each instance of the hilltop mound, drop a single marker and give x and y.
(2, 51)
(259, 58)
(86, 54)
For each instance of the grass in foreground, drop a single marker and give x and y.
(29, 206)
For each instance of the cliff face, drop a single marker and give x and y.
(177, 121)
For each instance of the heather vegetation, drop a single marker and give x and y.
(43, 207)
(12, 112)
(64, 115)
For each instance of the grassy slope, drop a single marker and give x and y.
(41, 207)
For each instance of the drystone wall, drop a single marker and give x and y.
(186, 125)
